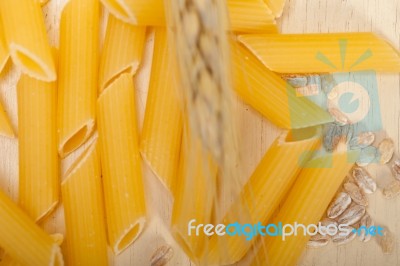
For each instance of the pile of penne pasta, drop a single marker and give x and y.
(82, 94)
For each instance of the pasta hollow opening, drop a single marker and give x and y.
(119, 8)
(126, 70)
(28, 63)
(129, 237)
(75, 140)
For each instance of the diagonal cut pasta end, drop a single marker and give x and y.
(32, 65)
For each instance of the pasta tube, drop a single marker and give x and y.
(38, 158)
(42, 2)
(276, 6)
(122, 51)
(78, 73)
(245, 15)
(265, 189)
(270, 95)
(327, 52)
(23, 240)
(251, 16)
(306, 203)
(7, 260)
(162, 127)
(4, 54)
(121, 163)
(83, 209)
(5, 126)
(193, 198)
(28, 44)
(137, 12)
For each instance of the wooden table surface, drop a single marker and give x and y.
(299, 16)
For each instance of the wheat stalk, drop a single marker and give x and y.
(201, 43)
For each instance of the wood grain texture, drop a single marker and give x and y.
(256, 134)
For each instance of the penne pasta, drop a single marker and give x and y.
(276, 6)
(264, 191)
(37, 135)
(270, 95)
(23, 240)
(42, 2)
(327, 52)
(28, 45)
(4, 54)
(83, 210)
(121, 164)
(78, 73)
(245, 15)
(7, 260)
(306, 203)
(251, 16)
(122, 51)
(137, 12)
(162, 128)
(193, 198)
(5, 126)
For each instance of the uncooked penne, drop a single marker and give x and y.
(137, 12)
(251, 16)
(28, 44)
(306, 203)
(23, 240)
(7, 260)
(270, 95)
(42, 2)
(122, 51)
(193, 198)
(84, 210)
(265, 190)
(78, 73)
(245, 15)
(323, 52)
(276, 6)
(5, 126)
(4, 54)
(121, 163)
(38, 157)
(162, 128)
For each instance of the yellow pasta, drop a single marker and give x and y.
(121, 163)
(122, 51)
(276, 6)
(23, 240)
(5, 126)
(37, 135)
(84, 211)
(251, 16)
(328, 52)
(193, 198)
(306, 203)
(78, 73)
(270, 95)
(28, 44)
(7, 260)
(137, 12)
(245, 15)
(4, 54)
(265, 190)
(42, 2)
(162, 127)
